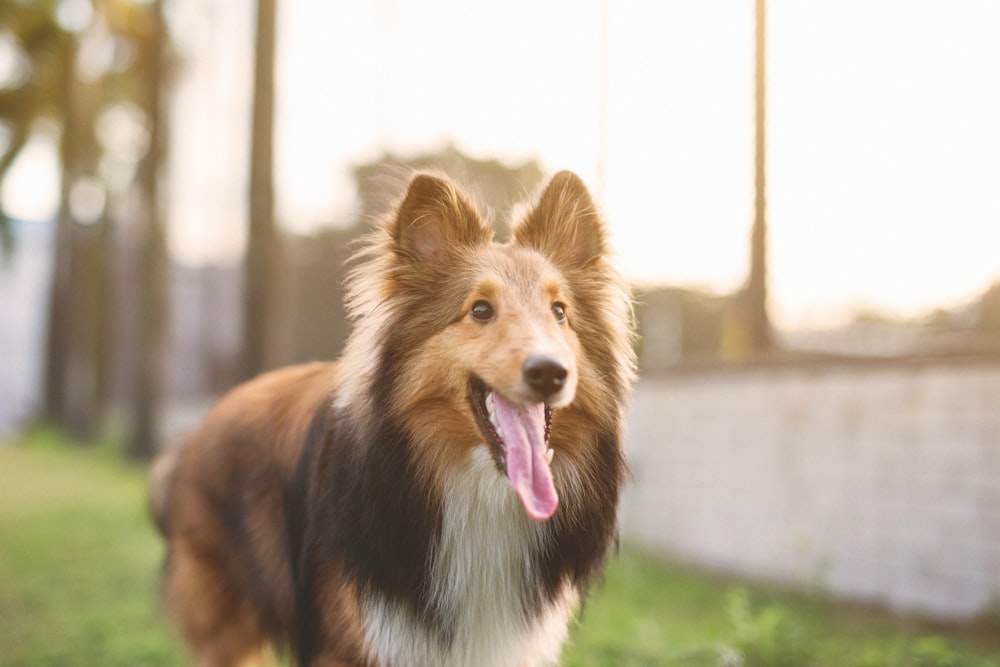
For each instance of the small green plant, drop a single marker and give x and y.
(934, 652)
(769, 637)
(928, 651)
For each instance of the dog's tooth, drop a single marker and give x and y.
(549, 455)
(491, 412)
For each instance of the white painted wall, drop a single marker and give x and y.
(877, 482)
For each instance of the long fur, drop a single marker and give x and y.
(354, 514)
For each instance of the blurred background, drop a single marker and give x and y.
(805, 196)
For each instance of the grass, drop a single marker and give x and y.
(79, 577)
(79, 561)
(654, 612)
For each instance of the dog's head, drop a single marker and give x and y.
(485, 341)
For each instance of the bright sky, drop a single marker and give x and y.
(884, 153)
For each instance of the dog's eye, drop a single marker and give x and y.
(482, 311)
(559, 310)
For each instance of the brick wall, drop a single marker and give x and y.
(879, 482)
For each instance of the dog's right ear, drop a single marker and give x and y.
(434, 220)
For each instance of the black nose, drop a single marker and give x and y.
(544, 375)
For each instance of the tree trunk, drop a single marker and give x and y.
(260, 285)
(151, 303)
(58, 353)
(756, 290)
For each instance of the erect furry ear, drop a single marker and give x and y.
(564, 224)
(433, 218)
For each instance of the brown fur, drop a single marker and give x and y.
(309, 494)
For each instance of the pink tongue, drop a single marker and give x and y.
(524, 435)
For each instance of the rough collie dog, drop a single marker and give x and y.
(445, 493)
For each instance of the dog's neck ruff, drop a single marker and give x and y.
(485, 585)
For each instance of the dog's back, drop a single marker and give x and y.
(224, 499)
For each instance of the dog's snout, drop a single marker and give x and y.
(544, 375)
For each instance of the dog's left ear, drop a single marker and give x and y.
(564, 224)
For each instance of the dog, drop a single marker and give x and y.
(442, 495)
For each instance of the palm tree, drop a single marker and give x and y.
(44, 46)
(78, 342)
(77, 310)
(147, 30)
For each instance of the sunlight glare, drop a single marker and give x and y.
(31, 188)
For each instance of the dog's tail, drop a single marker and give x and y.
(161, 484)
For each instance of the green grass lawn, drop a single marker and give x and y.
(654, 612)
(79, 561)
(79, 577)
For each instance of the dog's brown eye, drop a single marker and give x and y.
(559, 310)
(482, 311)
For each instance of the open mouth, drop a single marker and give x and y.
(518, 433)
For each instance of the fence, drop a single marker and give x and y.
(878, 482)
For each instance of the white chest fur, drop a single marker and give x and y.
(481, 568)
